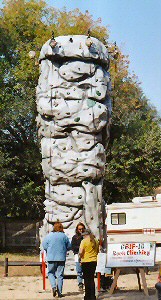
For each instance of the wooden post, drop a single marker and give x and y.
(6, 267)
(114, 281)
(44, 271)
(142, 273)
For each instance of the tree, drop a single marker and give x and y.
(25, 25)
(134, 153)
(22, 189)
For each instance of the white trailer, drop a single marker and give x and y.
(136, 221)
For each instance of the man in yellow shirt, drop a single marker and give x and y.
(88, 254)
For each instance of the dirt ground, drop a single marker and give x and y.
(31, 288)
(25, 283)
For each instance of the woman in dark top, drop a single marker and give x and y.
(76, 240)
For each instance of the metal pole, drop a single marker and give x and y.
(99, 281)
(44, 271)
(99, 274)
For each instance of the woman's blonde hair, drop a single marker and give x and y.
(92, 240)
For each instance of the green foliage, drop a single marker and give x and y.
(134, 153)
(133, 159)
(25, 26)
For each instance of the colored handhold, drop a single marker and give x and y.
(98, 93)
(85, 170)
(80, 197)
(77, 119)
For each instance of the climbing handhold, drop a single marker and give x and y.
(98, 93)
(77, 119)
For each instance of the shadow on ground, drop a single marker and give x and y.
(126, 295)
(73, 294)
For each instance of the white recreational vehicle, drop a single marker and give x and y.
(137, 221)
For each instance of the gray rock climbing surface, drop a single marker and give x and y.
(74, 111)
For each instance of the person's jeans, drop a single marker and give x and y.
(88, 275)
(56, 270)
(79, 273)
(158, 287)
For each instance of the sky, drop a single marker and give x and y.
(136, 27)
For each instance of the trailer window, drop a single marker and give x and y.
(118, 219)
